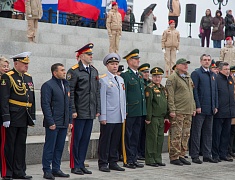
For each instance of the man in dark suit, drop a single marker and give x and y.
(206, 99)
(85, 100)
(136, 109)
(222, 120)
(57, 113)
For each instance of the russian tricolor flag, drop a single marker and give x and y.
(87, 8)
(122, 7)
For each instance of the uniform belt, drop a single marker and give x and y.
(19, 103)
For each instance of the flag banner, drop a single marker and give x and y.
(86, 8)
(122, 7)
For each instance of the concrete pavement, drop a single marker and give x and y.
(205, 171)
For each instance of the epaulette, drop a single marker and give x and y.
(27, 74)
(10, 73)
(150, 85)
(75, 66)
(102, 76)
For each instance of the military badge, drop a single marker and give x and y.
(168, 83)
(230, 82)
(30, 84)
(69, 76)
(147, 94)
(3, 83)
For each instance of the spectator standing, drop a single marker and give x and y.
(170, 46)
(222, 119)
(217, 29)
(229, 24)
(206, 99)
(6, 8)
(174, 10)
(34, 12)
(149, 19)
(18, 112)
(136, 109)
(114, 27)
(57, 113)
(227, 53)
(213, 67)
(205, 25)
(181, 106)
(113, 114)
(129, 20)
(85, 100)
(156, 102)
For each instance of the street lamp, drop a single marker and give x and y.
(220, 2)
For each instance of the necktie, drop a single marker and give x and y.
(87, 69)
(115, 77)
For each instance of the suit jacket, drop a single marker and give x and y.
(113, 99)
(55, 103)
(135, 98)
(205, 90)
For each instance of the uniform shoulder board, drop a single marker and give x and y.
(75, 66)
(150, 85)
(102, 76)
(10, 73)
(27, 74)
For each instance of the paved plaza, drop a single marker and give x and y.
(207, 171)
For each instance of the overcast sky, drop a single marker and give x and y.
(161, 12)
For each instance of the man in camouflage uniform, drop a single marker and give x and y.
(156, 102)
(181, 105)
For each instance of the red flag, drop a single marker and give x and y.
(19, 5)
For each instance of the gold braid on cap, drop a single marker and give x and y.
(25, 60)
(131, 55)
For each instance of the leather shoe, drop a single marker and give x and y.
(48, 175)
(130, 165)
(7, 178)
(184, 161)
(161, 164)
(77, 171)
(177, 162)
(152, 164)
(22, 177)
(138, 165)
(232, 154)
(141, 158)
(116, 167)
(217, 159)
(104, 169)
(209, 159)
(196, 160)
(226, 159)
(86, 171)
(60, 174)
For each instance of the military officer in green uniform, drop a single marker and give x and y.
(144, 69)
(136, 109)
(156, 102)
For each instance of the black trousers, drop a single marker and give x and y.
(110, 135)
(142, 136)
(13, 151)
(175, 18)
(6, 14)
(201, 132)
(232, 135)
(131, 140)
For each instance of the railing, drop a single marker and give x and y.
(50, 16)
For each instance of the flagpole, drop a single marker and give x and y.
(57, 20)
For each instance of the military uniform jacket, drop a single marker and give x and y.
(17, 99)
(180, 94)
(114, 21)
(135, 98)
(227, 54)
(113, 99)
(156, 101)
(34, 8)
(84, 91)
(170, 38)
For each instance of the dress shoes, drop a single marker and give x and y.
(141, 158)
(60, 174)
(22, 177)
(77, 171)
(7, 178)
(104, 169)
(152, 164)
(209, 159)
(138, 165)
(116, 167)
(232, 154)
(226, 159)
(196, 160)
(217, 159)
(130, 165)
(184, 161)
(86, 171)
(161, 164)
(177, 162)
(48, 175)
